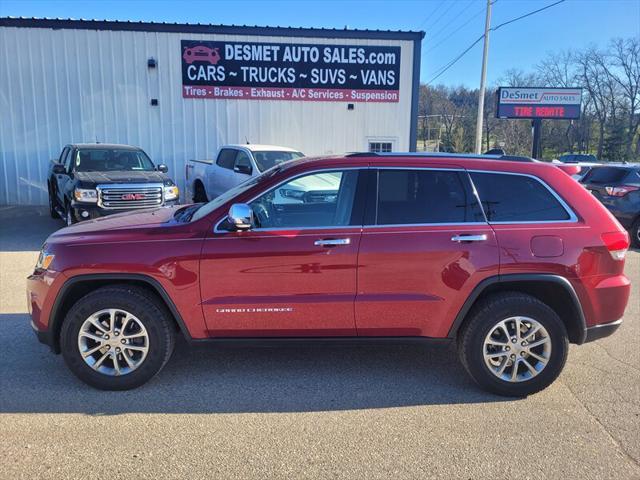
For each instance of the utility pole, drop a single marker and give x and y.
(483, 79)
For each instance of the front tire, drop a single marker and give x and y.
(69, 219)
(117, 338)
(52, 204)
(512, 344)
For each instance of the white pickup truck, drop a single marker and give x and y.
(207, 179)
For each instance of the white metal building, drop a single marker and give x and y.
(180, 91)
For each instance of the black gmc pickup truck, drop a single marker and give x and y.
(92, 180)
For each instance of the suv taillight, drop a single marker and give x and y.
(617, 243)
(620, 191)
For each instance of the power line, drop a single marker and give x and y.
(451, 4)
(455, 18)
(455, 60)
(474, 16)
(526, 15)
(431, 15)
(450, 64)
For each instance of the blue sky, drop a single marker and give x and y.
(572, 24)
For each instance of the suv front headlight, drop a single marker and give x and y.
(171, 192)
(85, 195)
(44, 260)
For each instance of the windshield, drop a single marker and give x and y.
(207, 208)
(111, 159)
(267, 159)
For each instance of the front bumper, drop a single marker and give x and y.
(600, 331)
(88, 211)
(42, 289)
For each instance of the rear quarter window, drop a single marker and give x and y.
(517, 198)
(226, 158)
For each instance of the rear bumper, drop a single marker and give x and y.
(600, 331)
(624, 210)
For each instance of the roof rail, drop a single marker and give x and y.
(512, 158)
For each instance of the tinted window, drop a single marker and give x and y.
(516, 198)
(226, 158)
(316, 200)
(242, 159)
(66, 161)
(425, 196)
(606, 175)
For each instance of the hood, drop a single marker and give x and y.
(118, 224)
(96, 178)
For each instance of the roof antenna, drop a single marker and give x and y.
(247, 139)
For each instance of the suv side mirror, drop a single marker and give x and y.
(245, 169)
(240, 216)
(163, 168)
(59, 169)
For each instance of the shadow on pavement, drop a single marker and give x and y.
(234, 379)
(25, 228)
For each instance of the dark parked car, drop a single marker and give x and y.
(578, 158)
(513, 260)
(94, 180)
(618, 188)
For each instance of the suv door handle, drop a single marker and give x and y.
(469, 238)
(331, 242)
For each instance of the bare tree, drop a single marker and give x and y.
(625, 60)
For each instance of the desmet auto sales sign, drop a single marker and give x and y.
(543, 102)
(287, 71)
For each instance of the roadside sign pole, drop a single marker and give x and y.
(537, 137)
(483, 79)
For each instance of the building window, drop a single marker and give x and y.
(380, 147)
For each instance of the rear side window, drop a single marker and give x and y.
(425, 196)
(517, 198)
(226, 158)
(606, 175)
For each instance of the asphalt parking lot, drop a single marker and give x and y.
(307, 412)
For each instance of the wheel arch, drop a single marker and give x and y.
(79, 286)
(198, 182)
(554, 290)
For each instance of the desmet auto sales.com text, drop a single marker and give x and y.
(306, 53)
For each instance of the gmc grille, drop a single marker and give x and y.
(130, 196)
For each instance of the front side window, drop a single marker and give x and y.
(517, 198)
(267, 159)
(407, 197)
(110, 159)
(322, 199)
(243, 160)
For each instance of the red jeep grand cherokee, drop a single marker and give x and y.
(513, 260)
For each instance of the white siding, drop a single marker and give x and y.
(64, 86)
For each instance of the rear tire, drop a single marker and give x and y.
(112, 322)
(199, 194)
(490, 348)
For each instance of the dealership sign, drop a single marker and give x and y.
(289, 71)
(558, 103)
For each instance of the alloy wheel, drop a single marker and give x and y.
(517, 349)
(113, 342)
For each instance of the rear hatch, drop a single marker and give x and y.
(600, 180)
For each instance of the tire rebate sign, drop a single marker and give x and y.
(294, 72)
(558, 103)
